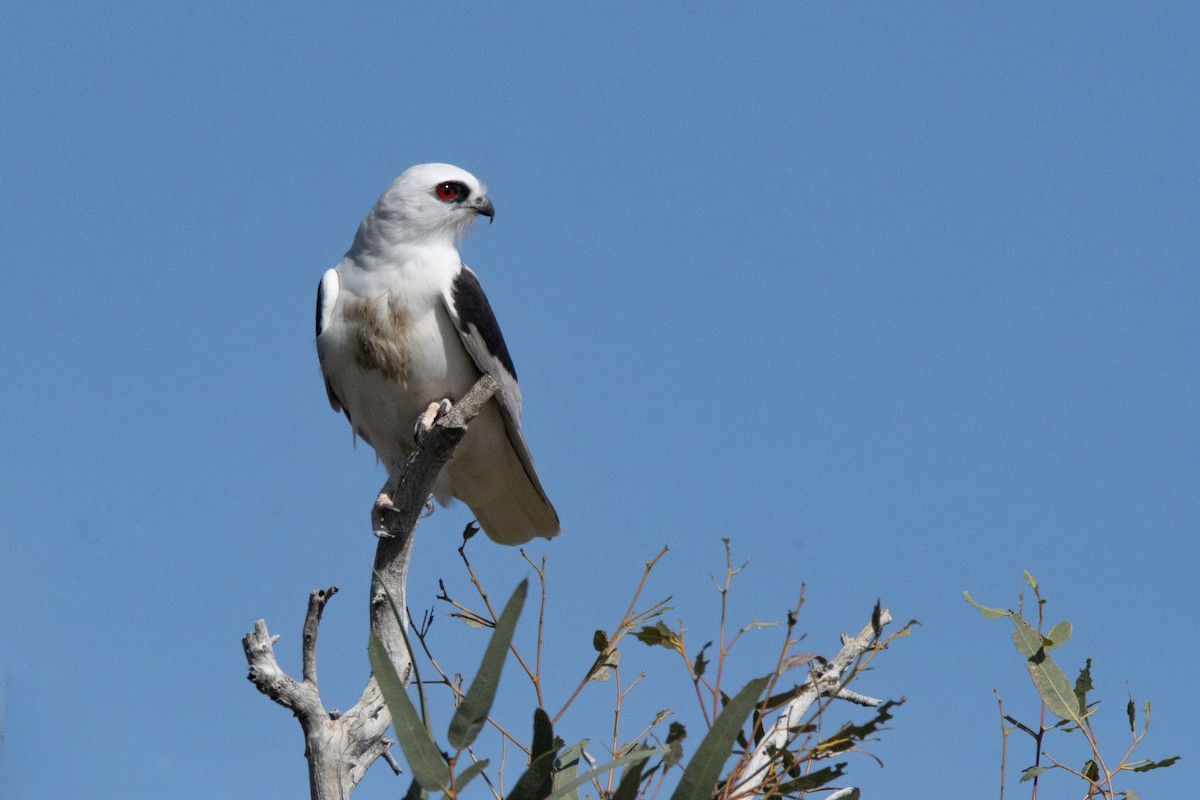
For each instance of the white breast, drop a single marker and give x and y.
(389, 350)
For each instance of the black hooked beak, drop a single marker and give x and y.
(483, 206)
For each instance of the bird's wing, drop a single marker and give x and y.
(472, 314)
(480, 333)
(327, 292)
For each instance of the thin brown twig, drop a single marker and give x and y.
(492, 613)
(537, 661)
(1004, 732)
(629, 619)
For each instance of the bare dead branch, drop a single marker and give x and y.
(316, 604)
(339, 750)
(825, 681)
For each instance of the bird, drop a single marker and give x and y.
(404, 329)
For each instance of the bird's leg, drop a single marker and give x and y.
(381, 509)
(427, 420)
(383, 506)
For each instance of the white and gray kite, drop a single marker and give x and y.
(403, 324)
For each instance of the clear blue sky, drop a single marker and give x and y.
(902, 300)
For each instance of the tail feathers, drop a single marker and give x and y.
(488, 474)
(513, 526)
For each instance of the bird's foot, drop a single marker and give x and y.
(434, 412)
(380, 512)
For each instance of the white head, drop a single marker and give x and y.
(427, 202)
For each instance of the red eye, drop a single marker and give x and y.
(450, 191)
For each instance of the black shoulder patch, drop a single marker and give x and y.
(473, 308)
(320, 302)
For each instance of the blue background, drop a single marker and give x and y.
(902, 300)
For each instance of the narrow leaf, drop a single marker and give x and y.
(1131, 712)
(472, 714)
(1149, 765)
(543, 733)
(1020, 726)
(1025, 637)
(1032, 772)
(701, 663)
(631, 781)
(603, 671)
(798, 660)
(902, 632)
(402, 623)
(465, 777)
(988, 613)
(422, 753)
(567, 767)
(1032, 581)
(676, 733)
(700, 775)
(536, 782)
(813, 780)
(570, 788)
(1083, 685)
(849, 735)
(1053, 687)
(658, 634)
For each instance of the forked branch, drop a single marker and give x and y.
(339, 749)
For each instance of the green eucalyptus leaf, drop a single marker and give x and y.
(988, 613)
(1052, 685)
(701, 773)
(566, 768)
(1083, 685)
(676, 733)
(1058, 635)
(536, 783)
(424, 758)
(466, 776)
(1026, 639)
(477, 703)
(658, 634)
(570, 788)
(701, 663)
(1032, 581)
(631, 781)
(1032, 772)
(813, 780)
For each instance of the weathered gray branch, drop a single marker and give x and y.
(410, 494)
(824, 681)
(339, 749)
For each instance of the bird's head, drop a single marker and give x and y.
(431, 201)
